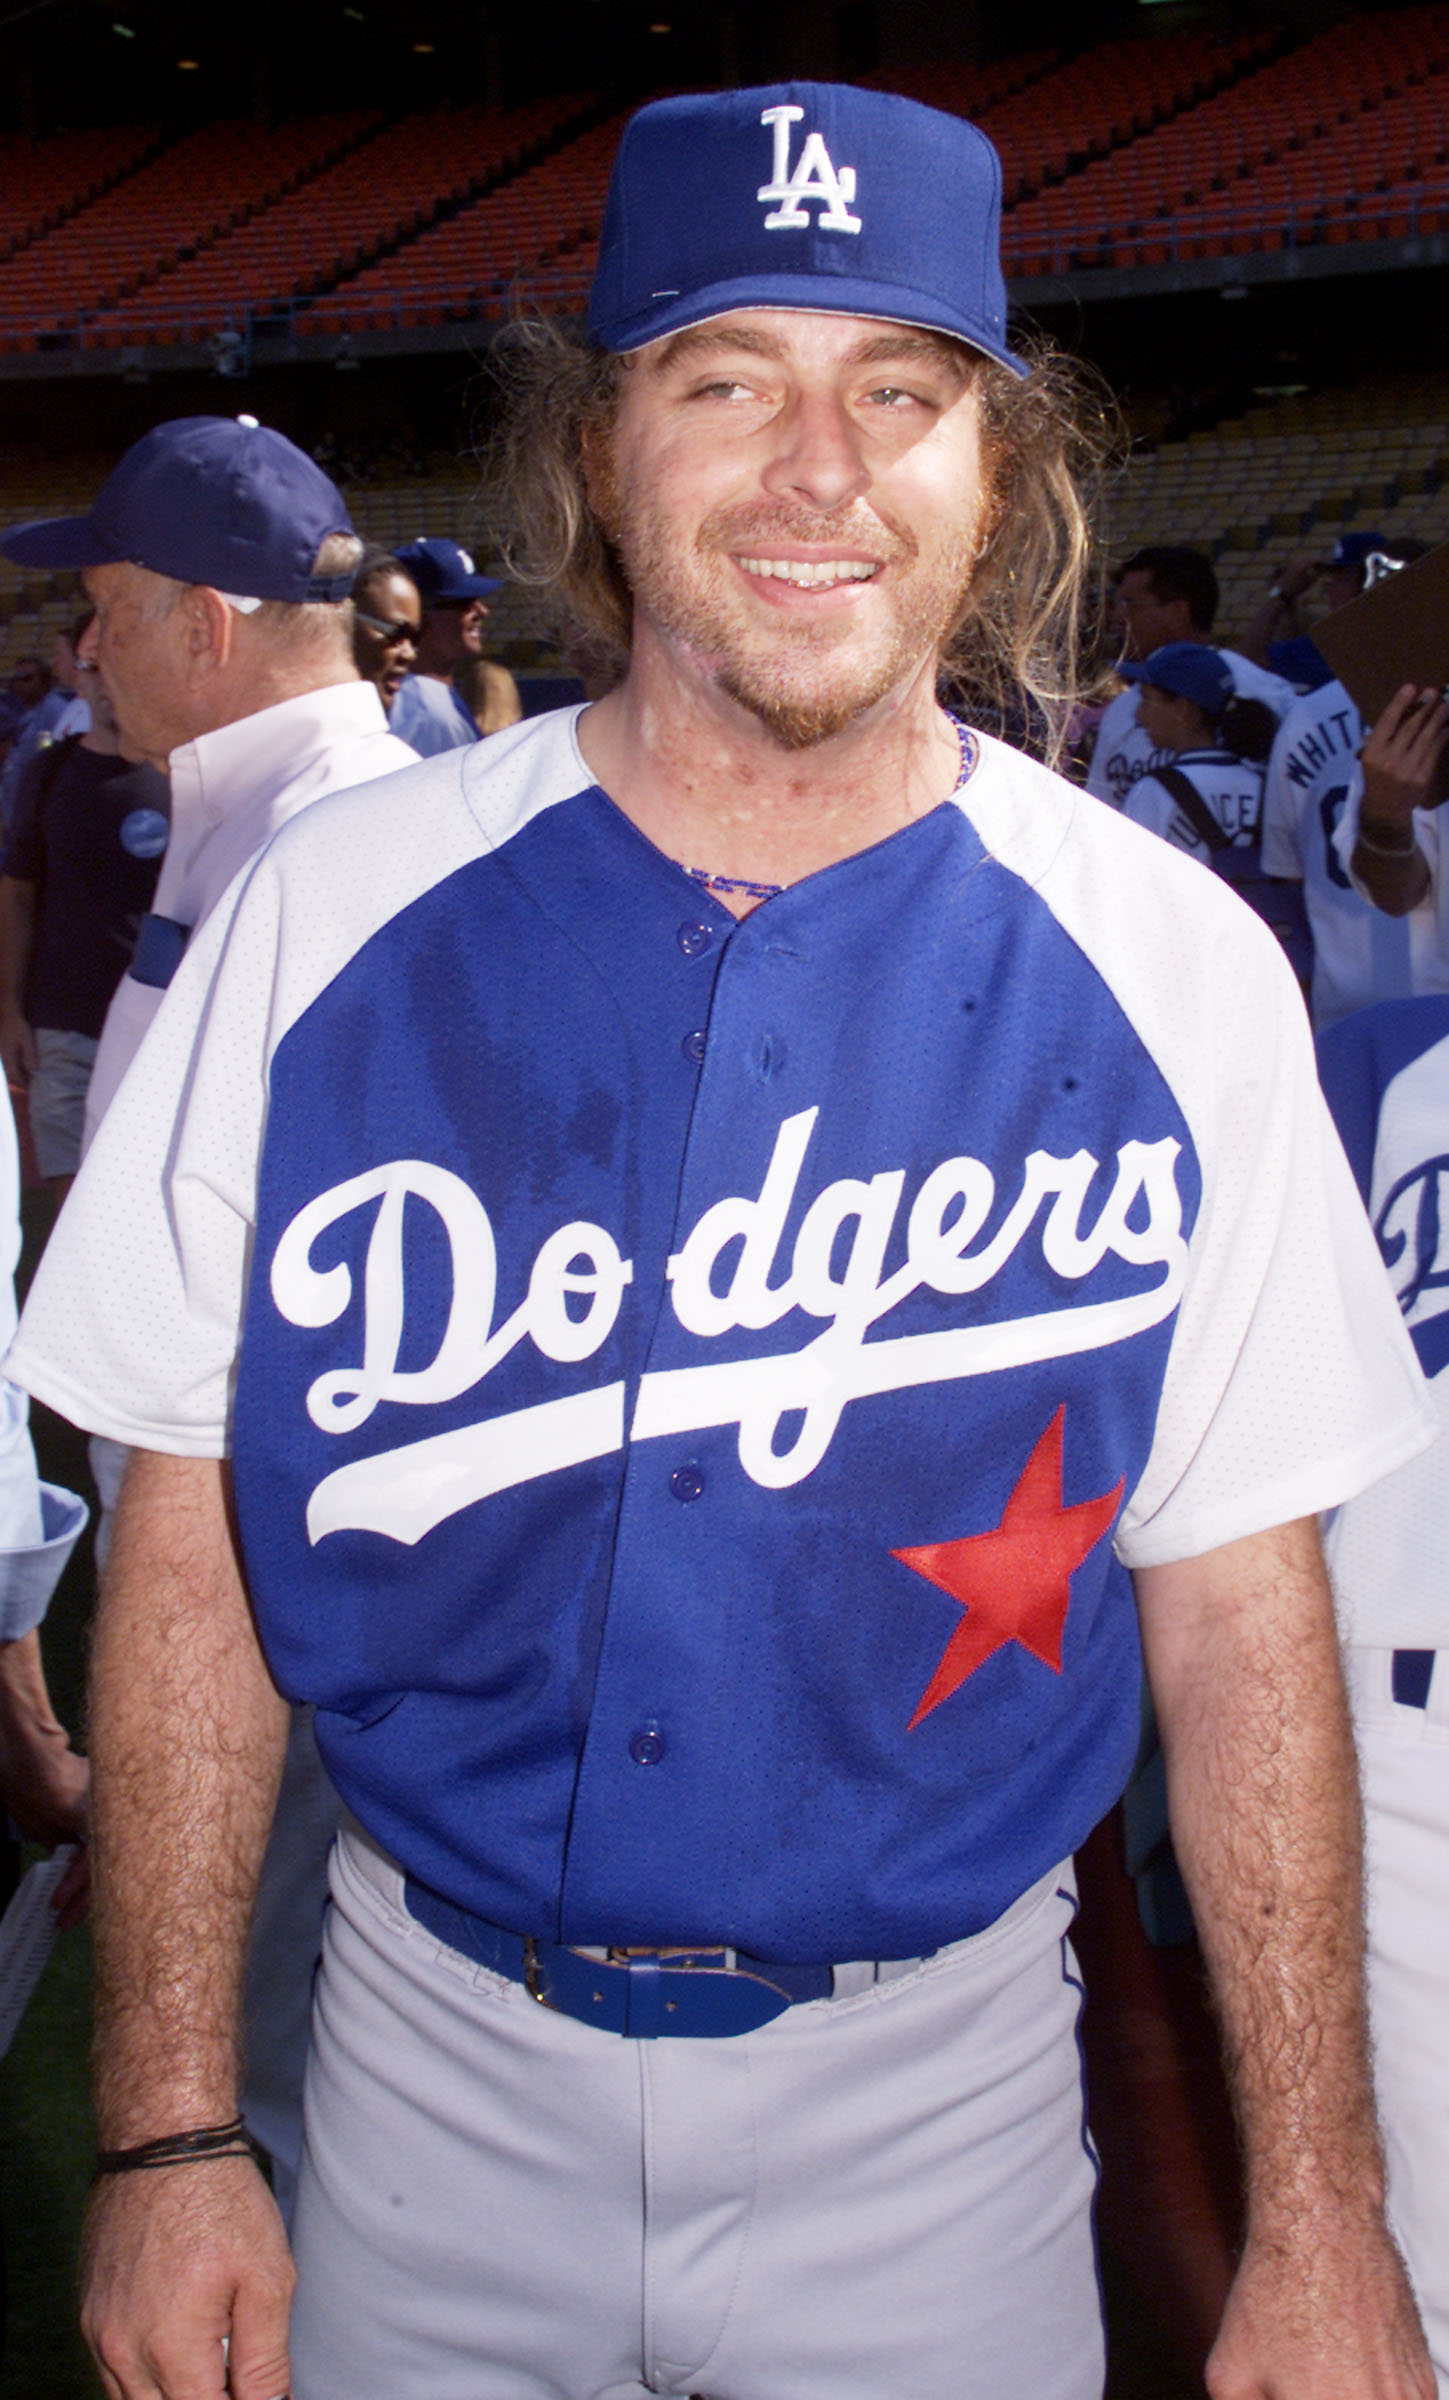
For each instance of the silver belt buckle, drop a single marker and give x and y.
(533, 1976)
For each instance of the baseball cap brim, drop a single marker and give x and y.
(828, 295)
(59, 542)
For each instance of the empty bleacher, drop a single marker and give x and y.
(539, 231)
(43, 182)
(539, 237)
(1143, 152)
(379, 193)
(1283, 479)
(1343, 139)
(175, 203)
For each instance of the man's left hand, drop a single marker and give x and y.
(1327, 2315)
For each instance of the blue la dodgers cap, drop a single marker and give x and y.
(443, 572)
(216, 500)
(805, 196)
(1194, 670)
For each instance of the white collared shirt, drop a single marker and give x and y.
(230, 791)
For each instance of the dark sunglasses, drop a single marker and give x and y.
(391, 631)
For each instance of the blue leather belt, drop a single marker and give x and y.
(694, 1994)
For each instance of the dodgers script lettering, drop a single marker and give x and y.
(729, 1275)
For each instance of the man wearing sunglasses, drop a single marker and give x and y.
(430, 712)
(387, 623)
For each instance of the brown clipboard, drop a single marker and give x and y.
(1396, 632)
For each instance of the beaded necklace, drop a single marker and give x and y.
(768, 891)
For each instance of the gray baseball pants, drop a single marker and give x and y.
(884, 2197)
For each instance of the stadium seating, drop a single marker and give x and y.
(1343, 139)
(380, 192)
(510, 240)
(43, 182)
(183, 198)
(1282, 480)
(1142, 152)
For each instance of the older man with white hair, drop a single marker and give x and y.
(219, 560)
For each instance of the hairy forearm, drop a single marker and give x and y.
(1263, 1794)
(1265, 1815)
(187, 1735)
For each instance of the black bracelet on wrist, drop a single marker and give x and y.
(179, 2149)
(1406, 849)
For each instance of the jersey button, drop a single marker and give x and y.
(647, 1747)
(694, 939)
(694, 1046)
(687, 1482)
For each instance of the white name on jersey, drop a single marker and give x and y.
(577, 1286)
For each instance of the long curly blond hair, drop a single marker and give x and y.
(1013, 660)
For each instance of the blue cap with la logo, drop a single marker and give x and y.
(802, 195)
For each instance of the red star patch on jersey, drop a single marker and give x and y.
(1014, 1582)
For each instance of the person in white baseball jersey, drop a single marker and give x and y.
(1164, 594)
(220, 560)
(1183, 692)
(1360, 954)
(714, 1238)
(1386, 1074)
(1389, 835)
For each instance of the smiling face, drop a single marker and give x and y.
(798, 502)
(386, 623)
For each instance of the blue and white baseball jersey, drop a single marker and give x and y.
(1123, 752)
(1386, 1075)
(1230, 788)
(1428, 924)
(1359, 954)
(695, 1386)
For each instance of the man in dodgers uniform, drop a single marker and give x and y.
(1359, 954)
(712, 1236)
(1386, 1073)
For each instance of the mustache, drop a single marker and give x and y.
(755, 526)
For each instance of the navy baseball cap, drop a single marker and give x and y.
(1193, 670)
(443, 572)
(1353, 549)
(804, 196)
(216, 500)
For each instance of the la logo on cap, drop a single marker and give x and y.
(815, 178)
